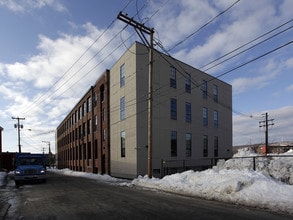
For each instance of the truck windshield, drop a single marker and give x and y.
(30, 161)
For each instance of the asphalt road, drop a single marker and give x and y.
(67, 197)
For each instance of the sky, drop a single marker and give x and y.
(233, 181)
(52, 51)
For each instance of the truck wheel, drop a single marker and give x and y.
(17, 183)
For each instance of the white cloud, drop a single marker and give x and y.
(246, 129)
(46, 86)
(27, 5)
(289, 88)
(262, 77)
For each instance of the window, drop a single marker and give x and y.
(104, 115)
(89, 150)
(84, 151)
(216, 122)
(204, 89)
(96, 148)
(80, 152)
(89, 126)
(80, 112)
(188, 144)
(102, 93)
(104, 134)
(122, 108)
(188, 112)
(205, 145)
(172, 77)
(122, 75)
(205, 116)
(96, 123)
(187, 83)
(79, 132)
(173, 108)
(216, 146)
(84, 109)
(83, 129)
(95, 99)
(89, 102)
(122, 144)
(215, 93)
(173, 144)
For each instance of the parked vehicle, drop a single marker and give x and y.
(29, 167)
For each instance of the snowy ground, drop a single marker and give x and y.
(233, 181)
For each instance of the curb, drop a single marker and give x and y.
(3, 209)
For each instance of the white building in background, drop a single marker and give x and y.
(192, 116)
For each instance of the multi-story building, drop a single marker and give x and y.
(192, 115)
(83, 136)
(191, 120)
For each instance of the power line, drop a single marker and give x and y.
(255, 39)
(206, 24)
(229, 58)
(254, 59)
(42, 97)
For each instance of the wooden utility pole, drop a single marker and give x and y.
(140, 30)
(18, 126)
(266, 123)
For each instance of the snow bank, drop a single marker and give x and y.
(235, 181)
(246, 187)
(105, 178)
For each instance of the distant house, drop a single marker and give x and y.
(191, 123)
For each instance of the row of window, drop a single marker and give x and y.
(81, 131)
(188, 115)
(82, 110)
(173, 112)
(174, 144)
(204, 87)
(173, 82)
(81, 152)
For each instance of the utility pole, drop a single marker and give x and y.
(49, 159)
(48, 142)
(140, 30)
(266, 123)
(18, 126)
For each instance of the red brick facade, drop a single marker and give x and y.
(83, 136)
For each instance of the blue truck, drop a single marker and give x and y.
(29, 167)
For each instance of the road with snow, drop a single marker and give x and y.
(69, 197)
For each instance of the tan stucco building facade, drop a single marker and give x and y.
(192, 116)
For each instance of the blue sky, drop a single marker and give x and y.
(44, 70)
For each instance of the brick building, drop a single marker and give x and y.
(83, 136)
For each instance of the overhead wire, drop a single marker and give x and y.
(254, 59)
(42, 97)
(249, 48)
(251, 41)
(203, 26)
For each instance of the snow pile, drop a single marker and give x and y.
(280, 168)
(235, 181)
(105, 177)
(246, 187)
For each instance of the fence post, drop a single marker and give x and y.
(254, 163)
